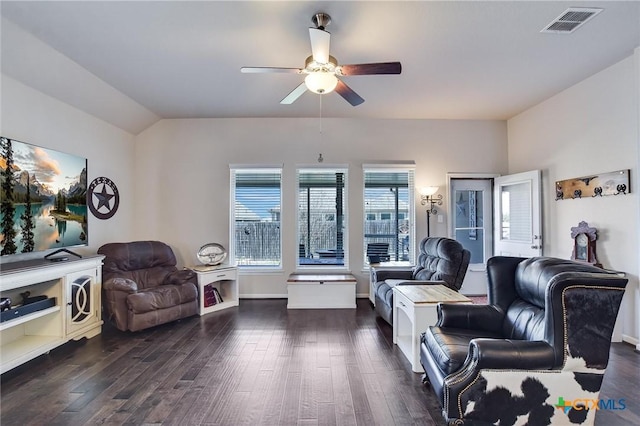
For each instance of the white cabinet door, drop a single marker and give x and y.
(517, 204)
(82, 294)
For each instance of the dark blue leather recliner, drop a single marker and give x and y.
(441, 261)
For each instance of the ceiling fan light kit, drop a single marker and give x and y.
(321, 82)
(322, 69)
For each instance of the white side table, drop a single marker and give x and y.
(415, 309)
(224, 278)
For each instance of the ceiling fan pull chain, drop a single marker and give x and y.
(320, 118)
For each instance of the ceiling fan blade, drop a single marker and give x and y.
(270, 69)
(348, 94)
(320, 41)
(295, 94)
(370, 69)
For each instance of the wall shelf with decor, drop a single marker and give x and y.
(69, 309)
(612, 183)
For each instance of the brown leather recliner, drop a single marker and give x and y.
(142, 287)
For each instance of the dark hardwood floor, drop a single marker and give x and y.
(255, 364)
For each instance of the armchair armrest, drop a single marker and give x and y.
(381, 274)
(507, 354)
(471, 317)
(120, 284)
(180, 277)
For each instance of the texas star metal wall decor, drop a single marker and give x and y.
(103, 197)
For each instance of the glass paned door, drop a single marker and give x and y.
(472, 217)
(469, 222)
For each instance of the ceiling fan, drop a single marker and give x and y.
(322, 70)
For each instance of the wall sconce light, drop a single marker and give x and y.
(428, 198)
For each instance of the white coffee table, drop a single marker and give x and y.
(414, 309)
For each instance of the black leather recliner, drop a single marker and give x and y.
(538, 350)
(441, 261)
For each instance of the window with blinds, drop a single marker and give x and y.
(516, 221)
(389, 211)
(322, 217)
(256, 236)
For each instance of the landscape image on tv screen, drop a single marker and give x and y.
(43, 196)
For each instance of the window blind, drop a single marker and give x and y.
(255, 217)
(389, 211)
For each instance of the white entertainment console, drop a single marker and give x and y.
(74, 313)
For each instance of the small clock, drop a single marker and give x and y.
(582, 247)
(584, 243)
(212, 254)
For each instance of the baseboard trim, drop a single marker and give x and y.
(263, 296)
(303, 306)
(631, 340)
(284, 296)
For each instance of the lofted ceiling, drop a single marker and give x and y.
(179, 59)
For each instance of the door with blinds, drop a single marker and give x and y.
(517, 209)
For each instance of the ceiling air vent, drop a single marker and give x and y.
(570, 20)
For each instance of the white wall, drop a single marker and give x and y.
(588, 129)
(182, 174)
(31, 116)
(28, 59)
(636, 57)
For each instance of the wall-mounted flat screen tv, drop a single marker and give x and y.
(43, 198)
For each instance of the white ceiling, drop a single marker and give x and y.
(460, 60)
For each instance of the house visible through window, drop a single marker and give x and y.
(322, 217)
(389, 211)
(255, 217)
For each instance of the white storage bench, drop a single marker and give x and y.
(321, 291)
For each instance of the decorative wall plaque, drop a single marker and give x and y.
(613, 183)
(103, 198)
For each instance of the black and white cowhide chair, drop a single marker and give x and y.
(535, 354)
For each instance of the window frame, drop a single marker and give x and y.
(257, 169)
(409, 168)
(335, 168)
